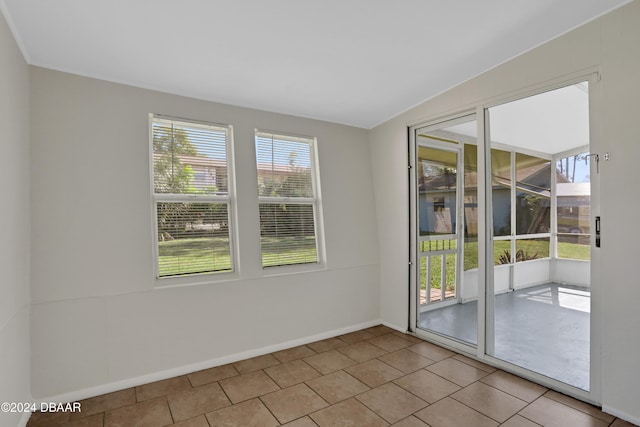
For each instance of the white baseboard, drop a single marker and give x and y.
(395, 327)
(25, 419)
(621, 415)
(85, 393)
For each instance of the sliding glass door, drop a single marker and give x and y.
(445, 230)
(539, 194)
(501, 235)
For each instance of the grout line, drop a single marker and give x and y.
(475, 410)
(225, 393)
(505, 392)
(263, 403)
(356, 396)
(520, 415)
(166, 396)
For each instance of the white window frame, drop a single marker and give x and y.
(315, 201)
(229, 199)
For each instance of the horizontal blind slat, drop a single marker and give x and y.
(191, 194)
(193, 238)
(189, 159)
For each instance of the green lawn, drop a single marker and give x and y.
(436, 272)
(211, 254)
(195, 255)
(574, 251)
(288, 250)
(565, 250)
(531, 247)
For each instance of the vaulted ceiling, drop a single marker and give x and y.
(358, 62)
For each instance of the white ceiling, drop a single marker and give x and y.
(551, 122)
(358, 62)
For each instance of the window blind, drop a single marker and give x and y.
(288, 199)
(191, 196)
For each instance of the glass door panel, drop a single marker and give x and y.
(539, 310)
(446, 230)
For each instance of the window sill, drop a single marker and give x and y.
(195, 279)
(284, 270)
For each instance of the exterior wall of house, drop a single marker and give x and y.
(99, 323)
(14, 217)
(608, 44)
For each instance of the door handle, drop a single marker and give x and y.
(597, 232)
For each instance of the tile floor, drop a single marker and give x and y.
(373, 377)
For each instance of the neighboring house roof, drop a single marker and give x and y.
(534, 179)
(219, 163)
(201, 161)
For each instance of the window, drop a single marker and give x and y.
(573, 191)
(521, 190)
(192, 197)
(288, 199)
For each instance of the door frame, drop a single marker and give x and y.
(414, 223)
(485, 243)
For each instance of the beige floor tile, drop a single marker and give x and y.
(329, 361)
(337, 386)
(348, 413)
(516, 386)
(391, 402)
(248, 386)
(492, 402)
(326, 345)
(427, 386)
(294, 353)
(199, 421)
(518, 421)
(411, 338)
(293, 402)
(49, 419)
(361, 351)
(474, 363)
(406, 361)
(301, 422)
(450, 413)
(410, 422)
(251, 413)
(255, 363)
(379, 330)
(580, 406)
(390, 342)
(550, 413)
(212, 374)
(457, 372)
(401, 380)
(355, 337)
(292, 373)
(431, 351)
(105, 402)
(162, 388)
(374, 372)
(151, 413)
(199, 400)
(61, 419)
(96, 420)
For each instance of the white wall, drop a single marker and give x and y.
(14, 217)
(611, 44)
(571, 271)
(531, 273)
(97, 321)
